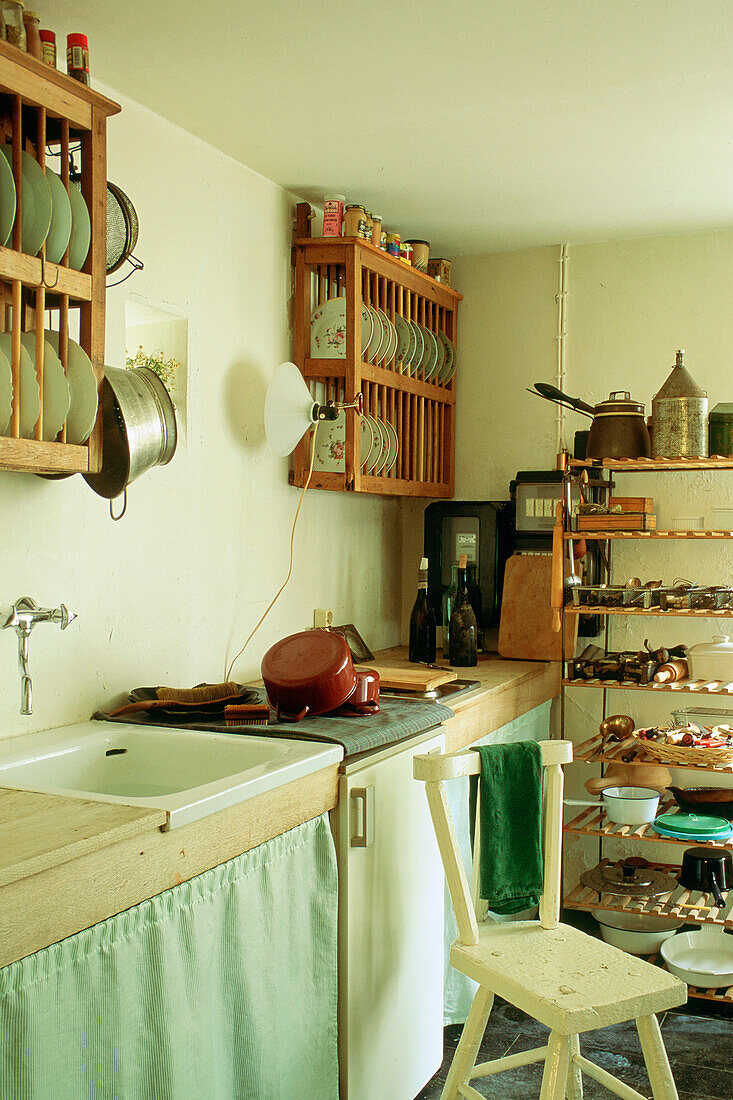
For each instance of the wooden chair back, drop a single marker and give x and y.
(435, 769)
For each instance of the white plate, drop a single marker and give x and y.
(331, 445)
(30, 397)
(7, 200)
(432, 352)
(703, 959)
(82, 387)
(376, 337)
(384, 341)
(393, 446)
(81, 229)
(449, 367)
(376, 448)
(56, 396)
(367, 440)
(6, 392)
(419, 348)
(441, 357)
(383, 447)
(60, 231)
(404, 342)
(328, 329)
(392, 344)
(36, 200)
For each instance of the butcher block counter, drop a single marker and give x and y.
(67, 863)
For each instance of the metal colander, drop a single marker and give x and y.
(122, 229)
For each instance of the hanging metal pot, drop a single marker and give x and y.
(138, 429)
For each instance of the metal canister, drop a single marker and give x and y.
(680, 416)
(721, 430)
(393, 244)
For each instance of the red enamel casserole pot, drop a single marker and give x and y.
(308, 673)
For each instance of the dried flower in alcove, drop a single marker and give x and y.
(154, 361)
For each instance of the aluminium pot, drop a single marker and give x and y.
(635, 932)
(138, 429)
(308, 673)
(619, 429)
(707, 870)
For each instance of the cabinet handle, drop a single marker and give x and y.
(362, 803)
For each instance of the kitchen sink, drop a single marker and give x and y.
(187, 773)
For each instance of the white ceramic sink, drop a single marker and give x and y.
(188, 773)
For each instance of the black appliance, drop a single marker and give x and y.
(480, 529)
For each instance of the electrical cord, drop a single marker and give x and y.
(228, 673)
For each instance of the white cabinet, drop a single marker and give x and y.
(390, 928)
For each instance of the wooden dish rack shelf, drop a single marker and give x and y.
(422, 412)
(694, 908)
(42, 109)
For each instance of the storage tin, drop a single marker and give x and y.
(721, 430)
(680, 416)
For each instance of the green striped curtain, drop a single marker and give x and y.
(224, 986)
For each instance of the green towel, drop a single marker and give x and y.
(510, 857)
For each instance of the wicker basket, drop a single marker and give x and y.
(685, 756)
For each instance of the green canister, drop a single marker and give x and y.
(721, 430)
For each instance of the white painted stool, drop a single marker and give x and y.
(569, 981)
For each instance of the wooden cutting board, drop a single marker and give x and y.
(525, 630)
(416, 679)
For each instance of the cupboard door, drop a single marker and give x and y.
(390, 931)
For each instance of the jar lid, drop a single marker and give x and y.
(334, 198)
(377, 217)
(77, 40)
(413, 240)
(354, 206)
(619, 402)
(31, 15)
(723, 410)
(48, 36)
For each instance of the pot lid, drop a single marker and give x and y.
(723, 410)
(632, 877)
(620, 402)
(301, 658)
(693, 824)
(680, 382)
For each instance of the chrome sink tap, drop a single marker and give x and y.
(24, 615)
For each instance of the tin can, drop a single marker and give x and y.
(406, 252)
(440, 271)
(376, 229)
(393, 244)
(721, 430)
(680, 416)
(368, 226)
(333, 215)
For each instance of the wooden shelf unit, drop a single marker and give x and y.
(422, 412)
(593, 752)
(679, 904)
(604, 535)
(41, 108)
(651, 465)
(593, 821)
(683, 687)
(669, 613)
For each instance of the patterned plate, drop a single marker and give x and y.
(384, 446)
(433, 349)
(405, 341)
(367, 441)
(419, 348)
(376, 451)
(328, 329)
(449, 366)
(376, 337)
(393, 447)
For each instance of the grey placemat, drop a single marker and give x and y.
(397, 719)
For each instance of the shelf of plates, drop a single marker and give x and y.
(409, 388)
(44, 113)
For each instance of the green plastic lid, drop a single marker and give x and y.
(693, 823)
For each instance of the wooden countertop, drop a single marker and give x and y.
(66, 864)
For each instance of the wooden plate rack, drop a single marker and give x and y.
(43, 109)
(422, 412)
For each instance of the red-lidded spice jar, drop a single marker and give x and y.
(48, 48)
(77, 57)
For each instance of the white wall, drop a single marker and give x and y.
(164, 596)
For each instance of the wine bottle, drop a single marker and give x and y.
(422, 622)
(449, 599)
(474, 596)
(463, 641)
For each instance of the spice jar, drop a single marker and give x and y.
(333, 215)
(34, 46)
(406, 252)
(368, 226)
(77, 57)
(376, 229)
(354, 217)
(48, 48)
(14, 25)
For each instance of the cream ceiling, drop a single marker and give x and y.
(479, 125)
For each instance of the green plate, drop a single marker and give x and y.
(693, 823)
(81, 229)
(36, 197)
(7, 200)
(60, 231)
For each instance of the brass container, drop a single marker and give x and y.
(680, 416)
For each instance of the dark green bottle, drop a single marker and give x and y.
(422, 622)
(463, 629)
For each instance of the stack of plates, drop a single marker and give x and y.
(70, 397)
(379, 446)
(693, 826)
(409, 347)
(50, 215)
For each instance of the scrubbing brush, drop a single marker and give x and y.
(247, 714)
(201, 696)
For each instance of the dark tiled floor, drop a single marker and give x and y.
(700, 1049)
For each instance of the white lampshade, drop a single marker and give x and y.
(289, 409)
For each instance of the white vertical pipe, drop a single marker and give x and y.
(562, 316)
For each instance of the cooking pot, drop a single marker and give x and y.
(308, 673)
(138, 429)
(618, 430)
(364, 699)
(709, 800)
(707, 870)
